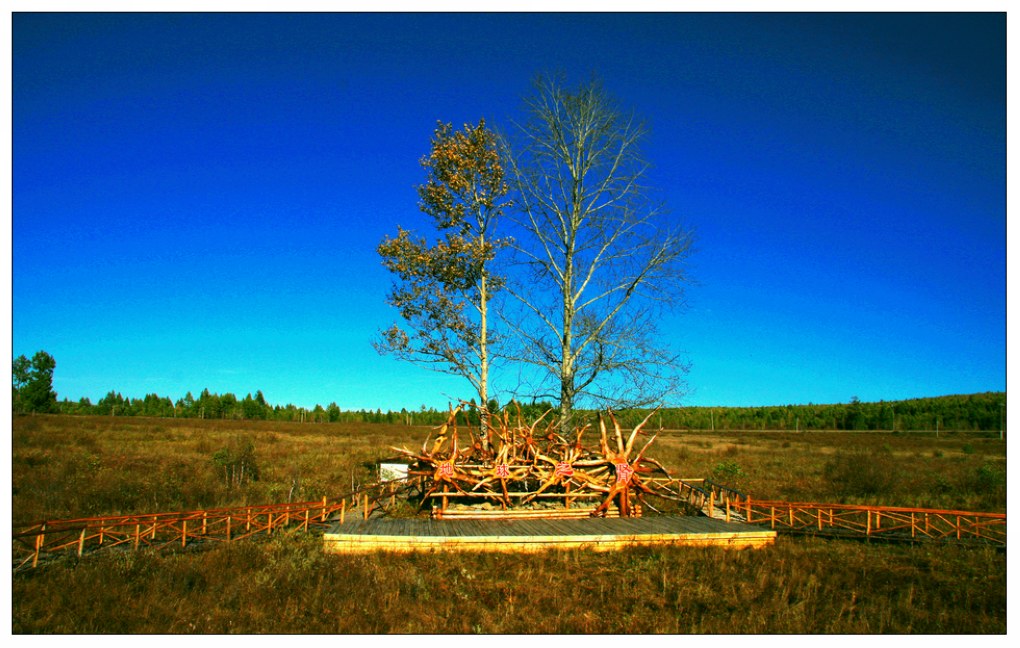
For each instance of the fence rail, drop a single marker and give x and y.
(880, 522)
(36, 541)
(842, 520)
(33, 542)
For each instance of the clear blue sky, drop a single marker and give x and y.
(197, 199)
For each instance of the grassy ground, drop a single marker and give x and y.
(65, 467)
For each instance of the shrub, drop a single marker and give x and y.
(237, 462)
(728, 470)
(862, 473)
(989, 478)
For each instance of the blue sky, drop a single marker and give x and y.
(197, 198)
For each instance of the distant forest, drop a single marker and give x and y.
(984, 411)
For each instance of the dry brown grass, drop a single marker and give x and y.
(65, 467)
(288, 585)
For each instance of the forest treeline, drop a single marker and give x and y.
(984, 411)
(32, 392)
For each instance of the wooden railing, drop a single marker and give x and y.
(879, 522)
(36, 541)
(33, 542)
(165, 529)
(839, 520)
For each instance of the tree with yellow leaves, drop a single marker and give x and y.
(443, 289)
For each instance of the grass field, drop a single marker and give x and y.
(77, 466)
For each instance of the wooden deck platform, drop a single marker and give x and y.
(596, 534)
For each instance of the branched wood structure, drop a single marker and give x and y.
(515, 466)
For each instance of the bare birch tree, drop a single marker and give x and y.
(443, 289)
(603, 260)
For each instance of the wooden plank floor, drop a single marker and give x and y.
(356, 536)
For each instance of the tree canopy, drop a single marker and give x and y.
(600, 258)
(33, 383)
(442, 289)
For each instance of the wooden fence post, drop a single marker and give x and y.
(184, 533)
(39, 540)
(228, 528)
(81, 542)
(323, 508)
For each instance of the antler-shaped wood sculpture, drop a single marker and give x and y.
(519, 455)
